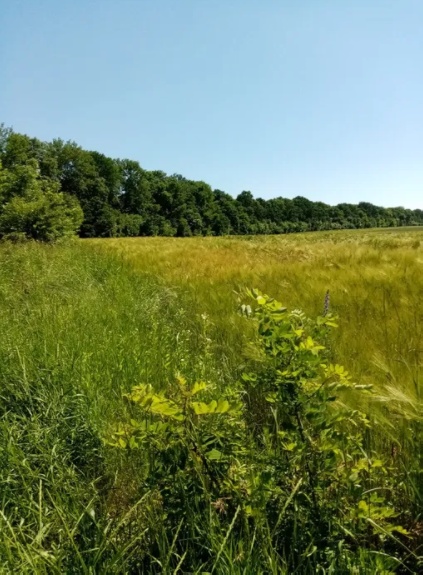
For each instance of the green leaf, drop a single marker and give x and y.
(162, 406)
(133, 442)
(198, 386)
(222, 406)
(212, 406)
(399, 529)
(214, 455)
(200, 408)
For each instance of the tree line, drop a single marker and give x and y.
(51, 189)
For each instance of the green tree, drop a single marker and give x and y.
(32, 207)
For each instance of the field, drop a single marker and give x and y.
(374, 277)
(84, 322)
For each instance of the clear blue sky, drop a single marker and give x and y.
(320, 98)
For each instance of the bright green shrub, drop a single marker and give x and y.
(323, 490)
(290, 469)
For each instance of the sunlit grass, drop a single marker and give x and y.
(77, 330)
(82, 323)
(375, 279)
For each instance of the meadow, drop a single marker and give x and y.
(271, 472)
(374, 278)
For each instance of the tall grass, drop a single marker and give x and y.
(76, 331)
(375, 280)
(82, 323)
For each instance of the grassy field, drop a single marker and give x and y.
(82, 323)
(375, 279)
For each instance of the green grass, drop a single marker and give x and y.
(375, 280)
(82, 323)
(77, 330)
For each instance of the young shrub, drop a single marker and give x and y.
(287, 468)
(322, 493)
(189, 445)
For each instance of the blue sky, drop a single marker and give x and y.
(320, 98)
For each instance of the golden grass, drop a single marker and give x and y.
(375, 278)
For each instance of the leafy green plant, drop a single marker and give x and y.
(180, 432)
(279, 458)
(188, 446)
(325, 489)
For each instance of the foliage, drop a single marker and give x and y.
(119, 198)
(219, 476)
(76, 329)
(33, 208)
(187, 447)
(292, 465)
(314, 444)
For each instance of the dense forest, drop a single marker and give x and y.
(45, 185)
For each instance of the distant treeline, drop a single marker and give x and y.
(120, 198)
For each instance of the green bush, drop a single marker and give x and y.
(33, 208)
(277, 459)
